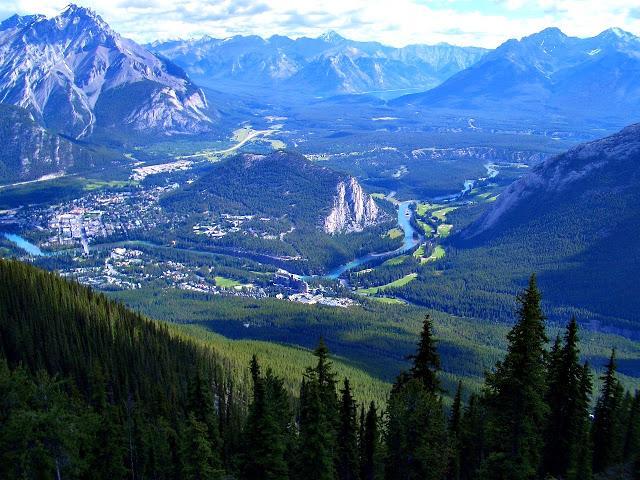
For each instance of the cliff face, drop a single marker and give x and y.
(353, 210)
(29, 151)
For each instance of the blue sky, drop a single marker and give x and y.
(484, 23)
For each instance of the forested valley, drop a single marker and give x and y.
(90, 389)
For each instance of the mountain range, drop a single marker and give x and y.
(75, 75)
(549, 75)
(327, 65)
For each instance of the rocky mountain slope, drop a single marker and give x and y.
(327, 65)
(574, 219)
(353, 210)
(76, 75)
(548, 76)
(30, 151)
(306, 217)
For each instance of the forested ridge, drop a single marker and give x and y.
(89, 389)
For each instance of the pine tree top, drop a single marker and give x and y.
(426, 362)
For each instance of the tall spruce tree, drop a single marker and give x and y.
(568, 406)
(370, 445)
(318, 420)
(580, 465)
(416, 437)
(472, 438)
(347, 444)
(455, 420)
(515, 396)
(632, 437)
(426, 362)
(266, 432)
(197, 459)
(606, 430)
(200, 401)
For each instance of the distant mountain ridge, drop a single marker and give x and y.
(75, 75)
(550, 74)
(327, 65)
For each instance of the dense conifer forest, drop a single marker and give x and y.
(89, 389)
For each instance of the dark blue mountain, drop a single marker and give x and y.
(327, 65)
(548, 76)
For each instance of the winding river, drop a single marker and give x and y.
(411, 235)
(410, 240)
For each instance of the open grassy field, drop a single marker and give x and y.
(444, 230)
(401, 282)
(395, 233)
(223, 282)
(441, 214)
(395, 261)
(437, 254)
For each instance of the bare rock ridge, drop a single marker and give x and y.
(30, 151)
(74, 73)
(353, 210)
(582, 167)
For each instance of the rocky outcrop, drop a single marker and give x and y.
(64, 68)
(353, 210)
(29, 151)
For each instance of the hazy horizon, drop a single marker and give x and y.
(486, 23)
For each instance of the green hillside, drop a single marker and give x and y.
(574, 220)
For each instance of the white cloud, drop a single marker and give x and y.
(399, 22)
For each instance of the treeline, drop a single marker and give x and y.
(532, 420)
(89, 389)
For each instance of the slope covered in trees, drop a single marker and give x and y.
(92, 390)
(574, 220)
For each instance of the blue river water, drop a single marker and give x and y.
(410, 240)
(25, 244)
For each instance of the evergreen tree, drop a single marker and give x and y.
(197, 460)
(580, 466)
(632, 437)
(416, 437)
(347, 444)
(515, 396)
(318, 420)
(426, 362)
(472, 438)
(200, 401)
(455, 420)
(606, 431)
(568, 406)
(266, 434)
(370, 445)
